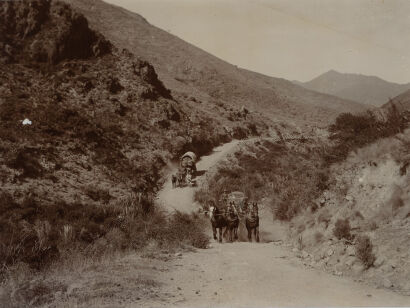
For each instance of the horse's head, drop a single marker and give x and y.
(254, 209)
(211, 211)
(231, 210)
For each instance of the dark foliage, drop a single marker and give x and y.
(351, 132)
(342, 229)
(38, 234)
(364, 251)
(270, 169)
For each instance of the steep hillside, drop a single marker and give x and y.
(369, 90)
(401, 102)
(83, 125)
(360, 225)
(187, 69)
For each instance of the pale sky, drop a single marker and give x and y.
(292, 39)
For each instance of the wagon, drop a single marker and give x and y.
(187, 169)
(188, 162)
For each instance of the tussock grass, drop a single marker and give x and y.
(78, 237)
(39, 235)
(364, 251)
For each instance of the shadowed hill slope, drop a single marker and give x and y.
(402, 102)
(187, 69)
(368, 90)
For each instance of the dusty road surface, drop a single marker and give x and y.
(246, 274)
(259, 275)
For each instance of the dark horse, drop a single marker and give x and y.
(218, 221)
(232, 222)
(252, 222)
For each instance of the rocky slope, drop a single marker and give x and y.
(369, 90)
(187, 69)
(369, 194)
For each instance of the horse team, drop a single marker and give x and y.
(225, 222)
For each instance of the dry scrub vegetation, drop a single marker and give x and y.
(286, 173)
(347, 198)
(46, 238)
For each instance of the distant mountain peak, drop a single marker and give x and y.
(369, 90)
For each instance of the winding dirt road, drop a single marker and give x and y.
(182, 198)
(253, 275)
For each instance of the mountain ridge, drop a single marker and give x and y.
(185, 68)
(369, 90)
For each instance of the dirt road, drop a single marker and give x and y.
(182, 198)
(253, 275)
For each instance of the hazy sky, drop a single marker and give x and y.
(293, 39)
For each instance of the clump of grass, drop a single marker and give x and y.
(364, 251)
(372, 225)
(342, 229)
(98, 194)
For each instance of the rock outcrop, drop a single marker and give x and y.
(46, 31)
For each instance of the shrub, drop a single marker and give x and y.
(202, 197)
(281, 210)
(364, 251)
(187, 228)
(98, 194)
(342, 229)
(26, 160)
(351, 132)
(318, 237)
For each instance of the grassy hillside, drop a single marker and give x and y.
(369, 90)
(187, 69)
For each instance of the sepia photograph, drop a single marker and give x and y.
(204, 153)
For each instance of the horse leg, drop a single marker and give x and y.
(225, 232)
(236, 232)
(257, 234)
(249, 234)
(220, 235)
(214, 232)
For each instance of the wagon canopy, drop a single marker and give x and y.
(190, 155)
(238, 197)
